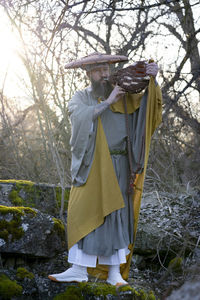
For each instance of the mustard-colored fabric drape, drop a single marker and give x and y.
(101, 195)
(133, 103)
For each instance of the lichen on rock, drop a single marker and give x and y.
(45, 197)
(11, 220)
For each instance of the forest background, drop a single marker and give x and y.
(34, 124)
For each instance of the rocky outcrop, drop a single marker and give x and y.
(168, 222)
(33, 245)
(27, 231)
(41, 288)
(45, 197)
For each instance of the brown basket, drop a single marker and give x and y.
(132, 79)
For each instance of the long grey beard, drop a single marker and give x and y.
(101, 89)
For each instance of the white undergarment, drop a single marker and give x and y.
(78, 257)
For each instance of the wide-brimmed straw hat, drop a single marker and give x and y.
(94, 59)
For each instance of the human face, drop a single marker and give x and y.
(99, 74)
(99, 80)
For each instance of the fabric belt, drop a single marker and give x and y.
(118, 152)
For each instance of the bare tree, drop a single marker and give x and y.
(60, 31)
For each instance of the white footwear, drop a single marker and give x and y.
(74, 274)
(114, 276)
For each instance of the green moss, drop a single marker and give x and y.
(104, 289)
(84, 289)
(59, 227)
(30, 190)
(142, 295)
(17, 181)
(176, 264)
(15, 199)
(23, 273)
(9, 288)
(126, 289)
(4, 210)
(100, 289)
(31, 212)
(13, 227)
(146, 295)
(71, 293)
(18, 185)
(34, 193)
(10, 228)
(151, 296)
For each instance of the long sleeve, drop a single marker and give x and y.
(82, 137)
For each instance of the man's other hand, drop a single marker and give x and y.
(116, 94)
(152, 69)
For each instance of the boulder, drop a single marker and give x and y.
(188, 291)
(30, 232)
(167, 222)
(45, 197)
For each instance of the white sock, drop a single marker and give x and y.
(79, 269)
(114, 269)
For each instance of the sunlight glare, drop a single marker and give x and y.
(9, 43)
(12, 69)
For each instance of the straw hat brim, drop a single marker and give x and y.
(96, 58)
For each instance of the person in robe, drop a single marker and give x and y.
(102, 213)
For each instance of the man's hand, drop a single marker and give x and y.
(115, 95)
(152, 69)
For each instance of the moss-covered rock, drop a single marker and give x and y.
(71, 293)
(28, 231)
(59, 227)
(95, 290)
(15, 199)
(26, 188)
(9, 288)
(10, 226)
(17, 181)
(45, 197)
(4, 210)
(23, 273)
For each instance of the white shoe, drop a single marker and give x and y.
(74, 274)
(114, 276)
(116, 279)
